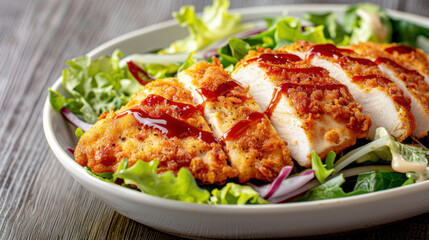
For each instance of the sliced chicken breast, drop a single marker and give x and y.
(380, 98)
(309, 109)
(411, 82)
(252, 144)
(159, 123)
(411, 58)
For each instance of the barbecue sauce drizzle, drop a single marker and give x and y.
(401, 49)
(223, 89)
(330, 50)
(136, 70)
(166, 124)
(240, 127)
(394, 64)
(285, 87)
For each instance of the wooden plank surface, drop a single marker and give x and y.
(38, 199)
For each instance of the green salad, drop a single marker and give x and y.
(98, 85)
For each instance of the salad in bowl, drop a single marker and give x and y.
(292, 109)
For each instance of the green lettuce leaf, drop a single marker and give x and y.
(95, 86)
(159, 71)
(409, 33)
(186, 64)
(233, 193)
(330, 189)
(216, 23)
(367, 22)
(166, 185)
(366, 183)
(289, 31)
(332, 29)
(78, 132)
(106, 176)
(384, 147)
(379, 180)
(281, 32)
(321, 172)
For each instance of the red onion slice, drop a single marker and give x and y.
(71, 150)
(73, 119)
(284, 173)
(290, 185)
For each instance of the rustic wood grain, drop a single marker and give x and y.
(38, 199)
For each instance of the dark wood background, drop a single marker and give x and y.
(38, 199)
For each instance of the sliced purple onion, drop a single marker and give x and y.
(71, 150)
(73, 119)
(283, 188)
(288, 187)
(213, 50)
(284, 173)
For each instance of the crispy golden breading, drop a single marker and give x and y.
(255, 150)
(118, 135)
(411, 81)
(368, 85)
(310, 109)
(407, 56)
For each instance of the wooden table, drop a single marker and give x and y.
(38, 199)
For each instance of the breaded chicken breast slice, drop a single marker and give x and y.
(410, 81)
(412, 58)
(251, 142)
(159, 123)
(380, 97)
(309, 109)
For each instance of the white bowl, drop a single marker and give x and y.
(259, 221)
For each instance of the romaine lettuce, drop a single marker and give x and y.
(216, 23)
(385, 147)
(283, 31)
(367, 22)
(332, 29)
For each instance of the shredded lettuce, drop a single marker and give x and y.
(95, 86)
(216, 23)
